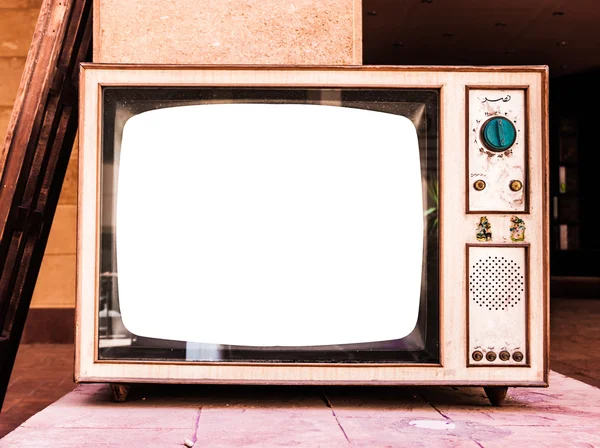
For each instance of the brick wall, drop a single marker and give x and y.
(56, 283)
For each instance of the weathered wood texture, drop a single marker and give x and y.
(34, 159)
(55, 285)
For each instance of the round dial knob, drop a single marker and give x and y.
(498, 134)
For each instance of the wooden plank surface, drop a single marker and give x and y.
(34, 158)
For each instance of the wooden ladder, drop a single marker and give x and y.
(34, 159)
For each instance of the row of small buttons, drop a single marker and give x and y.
(491, 356)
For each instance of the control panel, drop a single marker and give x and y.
(497, 258)
(496, 151)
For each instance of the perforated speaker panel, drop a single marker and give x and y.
(496, 283)
(497, 296)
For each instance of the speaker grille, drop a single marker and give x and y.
(496, 283)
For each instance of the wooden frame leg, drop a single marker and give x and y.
(496, 394)
(119, 392)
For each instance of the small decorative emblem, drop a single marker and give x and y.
(517, 229)
(484, 230)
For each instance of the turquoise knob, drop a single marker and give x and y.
(498, 134)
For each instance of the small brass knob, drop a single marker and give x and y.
(490, 356)
(516, 185)
(504, 355)
(479, 185)
(518, 356)
(477, 355)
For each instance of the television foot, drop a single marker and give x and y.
(119, 392)
(496, 394)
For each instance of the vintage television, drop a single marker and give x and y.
(313, 225)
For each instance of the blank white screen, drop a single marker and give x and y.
(269, 225)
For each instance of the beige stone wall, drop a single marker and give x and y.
(294, 32)
(310, 32)
(56, 283)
